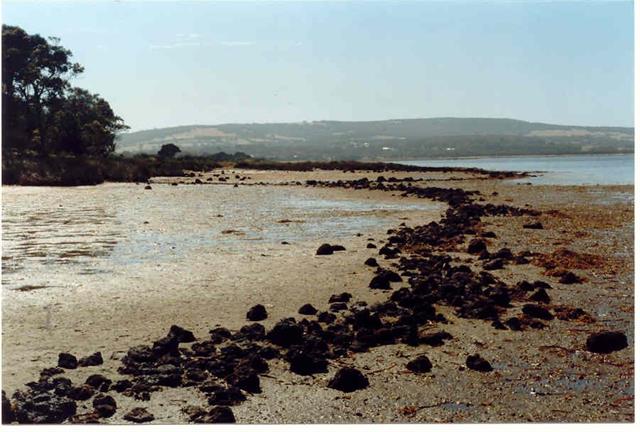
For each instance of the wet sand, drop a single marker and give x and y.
(541, 375)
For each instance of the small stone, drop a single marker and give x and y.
(606, 342)
(494, 264)
(533, 225)
(139, 415)
(420, 364)
(477, 246)
(257, 313)
(537, 311)
(340, 298)
(477, 363)
(307, 309)
(371, 262)
(568, 278)
(94, 359)
(348, 380)
(325, 249)
(540, 296)
(67, 361)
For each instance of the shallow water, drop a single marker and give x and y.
(55, 235)
(610, 169)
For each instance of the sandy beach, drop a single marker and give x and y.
(228, 255)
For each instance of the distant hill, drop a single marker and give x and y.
(387, 139)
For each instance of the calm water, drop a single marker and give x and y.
(612, 169)
(52, 235)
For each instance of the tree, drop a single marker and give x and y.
(168, 151)
(42, 112)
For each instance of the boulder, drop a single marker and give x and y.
(94, 359)
(67, 361)
(348, 379)
(257, 313)
(325, 249)
(606, 342)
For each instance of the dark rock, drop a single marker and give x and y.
(8, 416)
(477, 363)
(494, 264)
(220, 414)
(285, 333)
(219, 334)
(257, 313)
(525, 286)
(307, 309)
(533, 225)
(204, 348)
(371, 262)
(371, 246)
(325, 249)
(606, 342)
(340, 298)
(86, 418)
(504, 253)
(540, 296)
(514, 324)
(246, 379)
(434, 338)
(541, 284)
(337, 307)
(82, 392)
(568, 278)
(326, 317)
(252, 332)
(537, 311)
(121, 385)
(48, 372)
(105, 405)
(476, 246)
(379, 282)
(488, 234)
(94, 359)
(147, 187)
(420, 364)
(139, 415)
(67, 361)
(306, 363)
(182, 335)
(348, 380)
(220, 395)
(337, 248)
(99, 382)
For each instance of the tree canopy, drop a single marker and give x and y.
(168, 150)
(42, 112)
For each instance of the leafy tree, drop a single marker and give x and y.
(168, 151)
(42, 112)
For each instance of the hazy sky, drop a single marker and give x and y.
(173, 63)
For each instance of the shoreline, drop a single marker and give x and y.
(463, 330)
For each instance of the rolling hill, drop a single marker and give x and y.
(387, 139)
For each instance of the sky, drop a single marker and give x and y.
(164, 63)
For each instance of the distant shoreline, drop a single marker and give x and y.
(509, 156)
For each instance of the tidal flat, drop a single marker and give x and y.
(106, 268)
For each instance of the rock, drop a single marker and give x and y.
(514, 324)
(348, 379)
(371, 246)
(147, 187)
(224, 395)
(340, 298)
(540, 296)
(139, 415)
(104, 405)
(371, 262)
(246, 379)
(537, 311)
(82, 392)
(86, 418)
(285, 333)
(477, 246)
(379, 282)
(494, 264)
(337, 248)
(488, 234)
(253, 331)
(257, 313)
(306, 363)
(219, 334)
(8, 416)
(533, 225)
(606, 342)
(67, 361)
(568, 278)
(49, 372)
(434, 338)
(337, 307)
(326, 317)
(477, 363)
(307, 309)
(220, 414)
(94, 359)
(182, 335)
(98, 382)
(121, 385)
(325, 249)
(420, 364)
